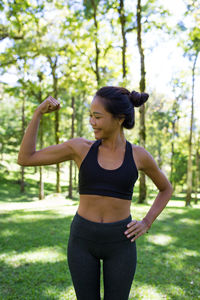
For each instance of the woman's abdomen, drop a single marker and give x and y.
(103, 209)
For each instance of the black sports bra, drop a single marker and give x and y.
(118, 183)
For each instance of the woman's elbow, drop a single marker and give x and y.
(22, 161)
(167, 188)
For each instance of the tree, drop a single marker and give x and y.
(189, 165)
(91, 10)
(190, 43)
(197, 177)
(142, 194)
(147, 8)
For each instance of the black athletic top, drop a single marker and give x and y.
(118, 183)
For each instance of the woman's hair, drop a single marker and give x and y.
(120, 103)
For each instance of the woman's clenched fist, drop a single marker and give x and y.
(48, 105)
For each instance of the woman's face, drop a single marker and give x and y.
(102, 122)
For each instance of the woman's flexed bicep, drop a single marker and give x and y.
(53, 154)
(48, 156)
(28, 144)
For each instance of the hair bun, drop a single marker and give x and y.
(138, 99)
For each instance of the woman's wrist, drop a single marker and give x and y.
(147, 222)
(37, 112)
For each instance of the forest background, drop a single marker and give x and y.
(68, 49)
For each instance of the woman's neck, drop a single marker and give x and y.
(114, 141)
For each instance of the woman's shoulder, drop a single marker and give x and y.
(80, 145)
(139, 149)
(141, 156)
(80, 142)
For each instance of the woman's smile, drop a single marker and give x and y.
(96, 129)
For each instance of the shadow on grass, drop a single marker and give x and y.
(35, 280)
(27, 269)
(10, 189)
(173, 267)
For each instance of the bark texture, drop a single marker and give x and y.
(142, 134)
(189, 163)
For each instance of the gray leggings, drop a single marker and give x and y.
(91, 241)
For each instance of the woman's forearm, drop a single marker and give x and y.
(28, 144)
(158, 205)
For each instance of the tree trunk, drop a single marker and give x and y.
(71, 163)
(79, 129)
(41, 182)
(2, 151)
(159, 154)
(70, 190)
(197, 172)
(172, 156)
(142, 135)
(74, 180)
(53, 65)
(122, 19)
(57, 115)
(22, 184)
(57, 121)
(189, 164)
(97, 72)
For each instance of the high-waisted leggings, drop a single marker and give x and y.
(91, 241)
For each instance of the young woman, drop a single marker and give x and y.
(102, 227)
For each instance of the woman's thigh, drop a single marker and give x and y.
(118, 269)
(84, 268)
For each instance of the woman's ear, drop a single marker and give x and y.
(121, 119)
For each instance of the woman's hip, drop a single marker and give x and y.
(99, 232)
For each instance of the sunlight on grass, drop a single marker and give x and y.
(43, 255)
(8, 233)
(48, 202)
(189, 221)
(191, 253)
(53, 293)
(34, 242)
(147, 292)
(176, 291)
(174, 203)
(29, 218)
(178, 203)
(183, 254)
(161, 239)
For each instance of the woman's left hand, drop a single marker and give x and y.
(136, 229)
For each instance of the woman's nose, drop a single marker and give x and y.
(92, 121)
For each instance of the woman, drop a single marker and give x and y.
(108, 169)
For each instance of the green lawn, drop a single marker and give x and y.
(33, 245)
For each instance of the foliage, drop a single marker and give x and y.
(51, 43)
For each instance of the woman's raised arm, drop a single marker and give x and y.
(28, 156)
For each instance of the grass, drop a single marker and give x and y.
(33, 247)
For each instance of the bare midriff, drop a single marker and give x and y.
(103, 209)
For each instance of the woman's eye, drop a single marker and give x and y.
(94, 117)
